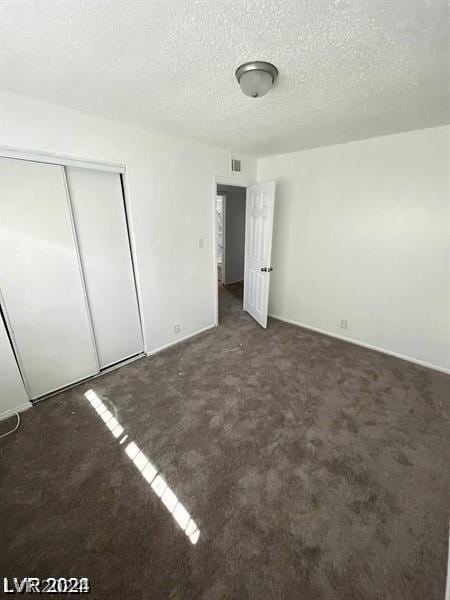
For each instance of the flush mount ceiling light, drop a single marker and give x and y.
(256, 78)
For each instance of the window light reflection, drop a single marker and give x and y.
(147, 469)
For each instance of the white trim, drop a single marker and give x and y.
(75, 384)
(12, 411)
(57, 159)
(134, 254)
(237, 281)
(219, 180)
(126, 361)
(416, 361)
(234, 181)
(183, 339)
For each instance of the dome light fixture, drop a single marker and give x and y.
(256, 78)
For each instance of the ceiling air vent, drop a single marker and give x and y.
(235, 165)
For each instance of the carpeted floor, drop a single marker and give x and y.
(314, 469)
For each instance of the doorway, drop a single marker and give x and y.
(242, 261)
(230, 210)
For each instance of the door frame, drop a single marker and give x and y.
(219, 180)
(122, 171)
(224, 208)
(60, 159)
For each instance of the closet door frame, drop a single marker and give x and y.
(70, 161)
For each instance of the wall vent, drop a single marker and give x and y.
(235, 165)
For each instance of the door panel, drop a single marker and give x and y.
(12, 391)
(99, 214)
(40, 277)
(258, 249)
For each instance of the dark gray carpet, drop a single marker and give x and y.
(314, 469)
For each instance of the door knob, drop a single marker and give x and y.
(266, 269)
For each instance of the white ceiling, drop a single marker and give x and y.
(349, 69)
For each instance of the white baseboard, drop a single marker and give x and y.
(186, 337)
(416, 361)
(12, 411)
(231, 282)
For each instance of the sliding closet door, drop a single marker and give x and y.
(40, 277)
(99, 214)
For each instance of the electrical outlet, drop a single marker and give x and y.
(176, 328)
(344, 324)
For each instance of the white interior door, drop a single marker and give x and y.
(40, 278)
(100, 221)
(258, 249)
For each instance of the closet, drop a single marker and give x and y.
(67, 284)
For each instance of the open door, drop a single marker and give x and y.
(258, 249)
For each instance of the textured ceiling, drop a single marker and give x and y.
(349, 69)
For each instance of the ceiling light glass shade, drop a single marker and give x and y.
(255, 83)
(256, 78)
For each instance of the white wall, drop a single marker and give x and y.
(171, 192)
(361, 234)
